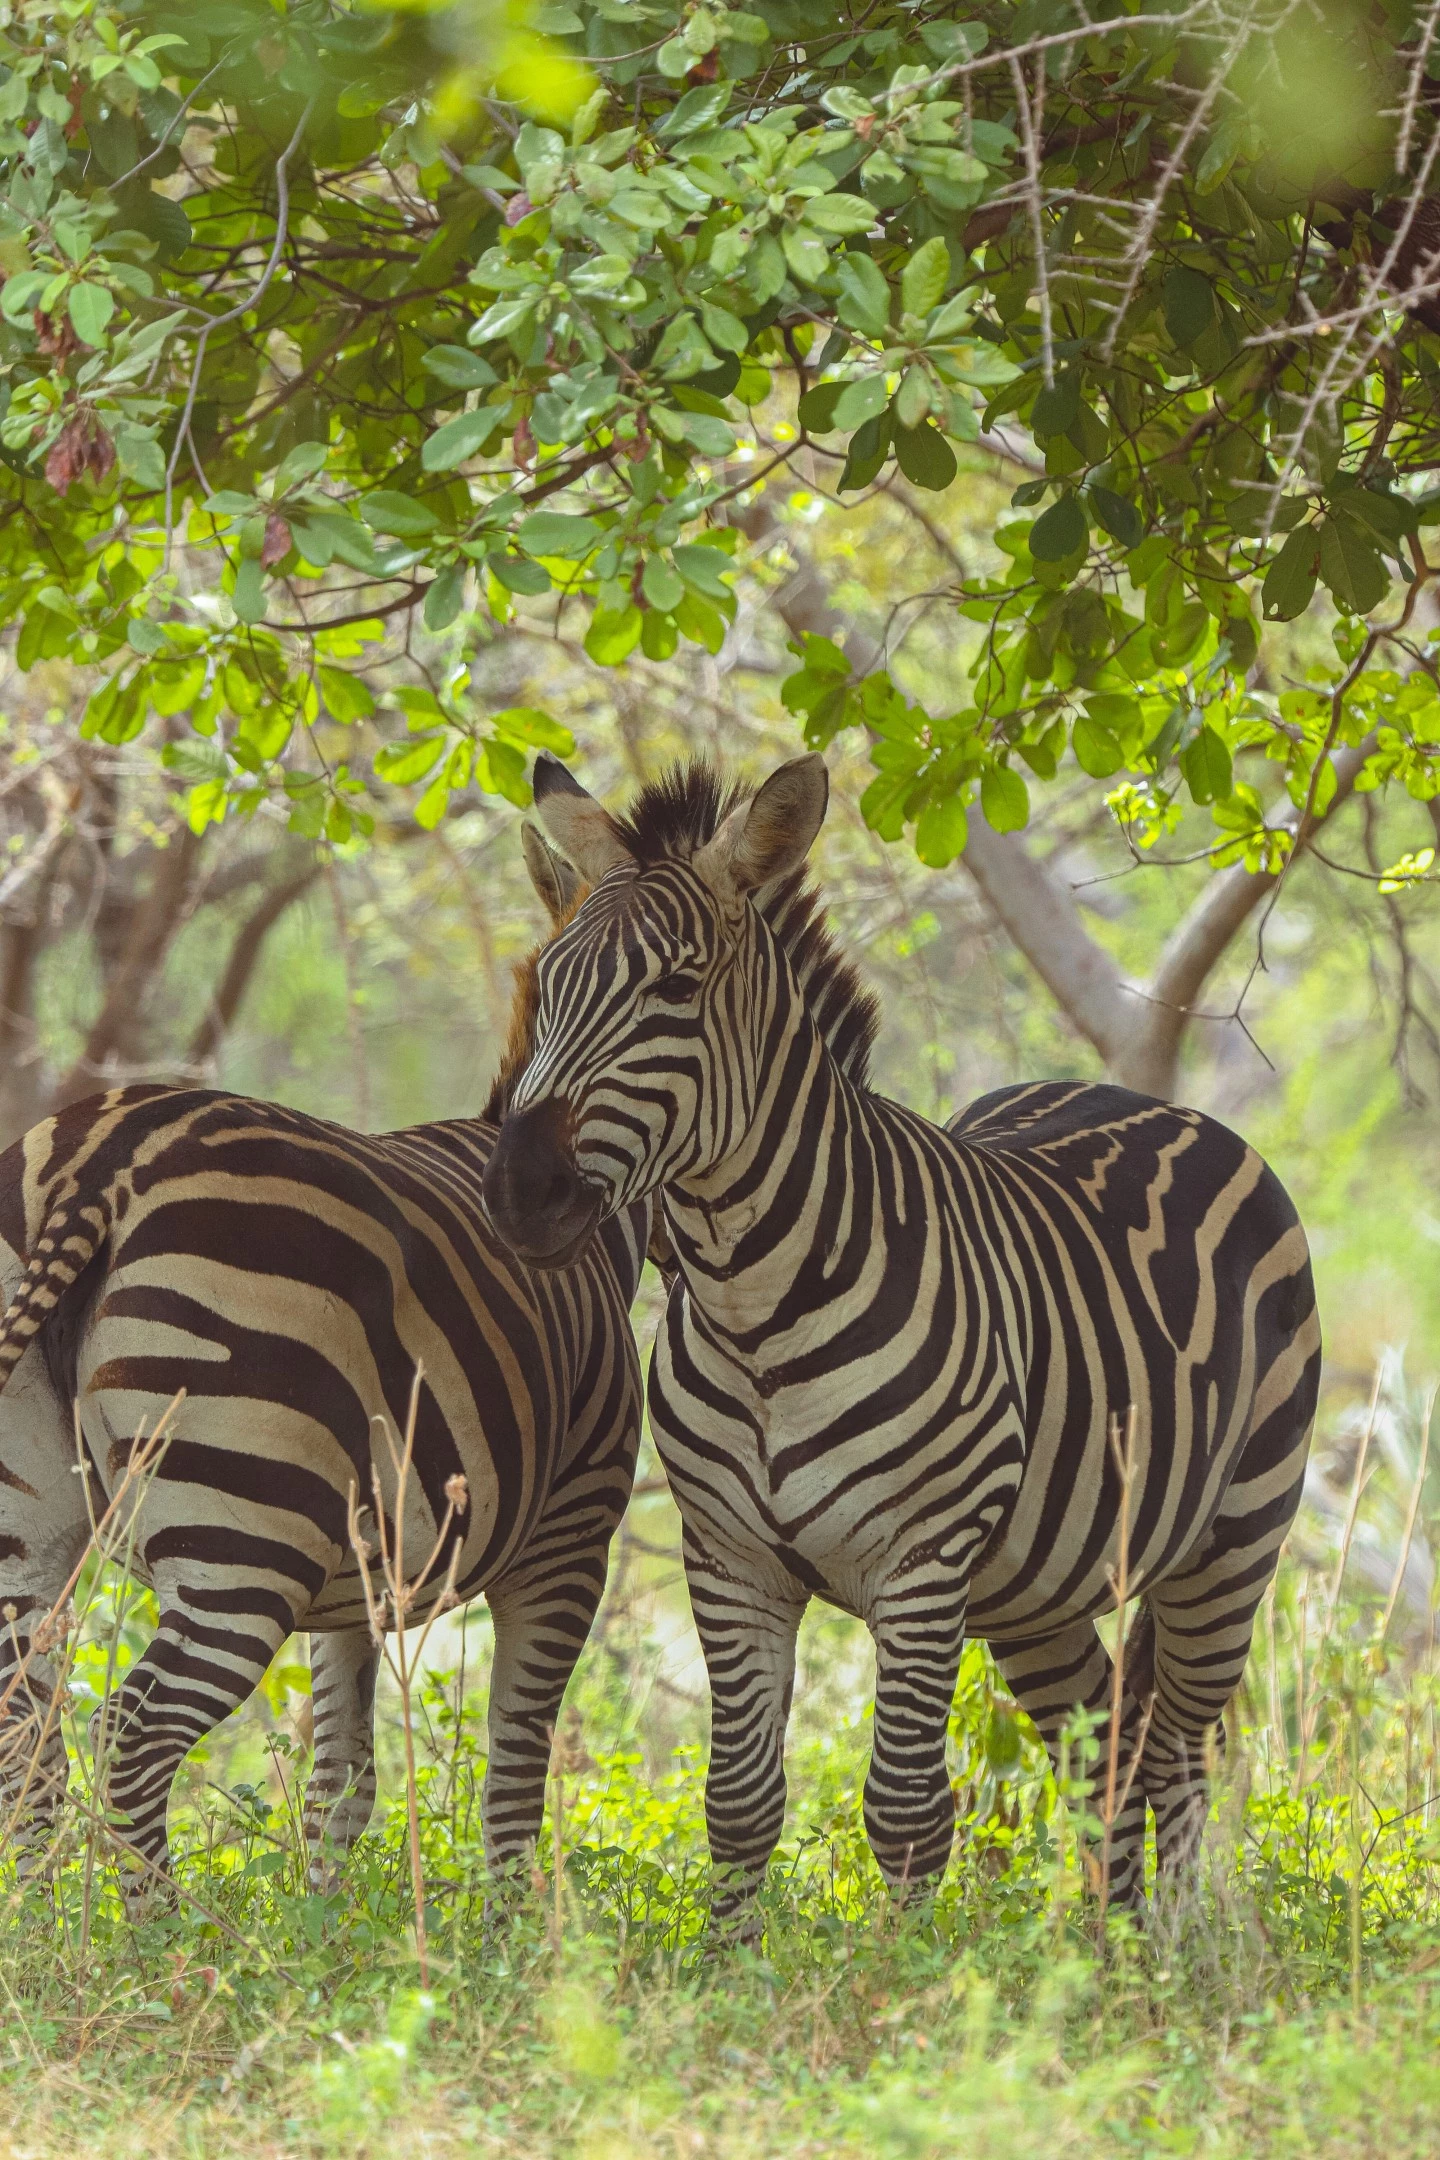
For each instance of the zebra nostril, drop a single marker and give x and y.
(560, 1189)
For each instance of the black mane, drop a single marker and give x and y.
(674, 816)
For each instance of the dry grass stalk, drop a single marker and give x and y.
(111, 1542)
(1411, 1515)
(1116, 1797)
(402, 1650)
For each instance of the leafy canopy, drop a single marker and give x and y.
(319, 318)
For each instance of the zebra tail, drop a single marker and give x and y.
(71, 1235)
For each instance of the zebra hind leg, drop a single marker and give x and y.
(1204, 1614)
(207, 1657)
(43, 1531)
(340, 1795)
(1071, 1671)
(542, 1616)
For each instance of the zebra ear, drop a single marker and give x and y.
(585, 833)
(769, 836)
(561, 888)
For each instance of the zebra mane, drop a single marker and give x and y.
(673, 817)
(520, 1035)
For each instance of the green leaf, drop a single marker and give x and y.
(347, 697)
(1060, 531)
(924, 456)
(859, 401)
(807, 256)
(406, 762)
(517, 575)
(1189, 299)
(1057, 407)
(1096, 750)
(445, 597)
(1350, 565)
(842, 215)
(1120, 518)
(711, 437)
(925, 276)
(869, 448)
(91, 307)
(698, 109)
(613, 634)
(1290, 580)
(527, 724)
(703, 569)
(816, 410)
(725, 331)
(663, 587)
(864, 295)
(562, 537)
(386, 511)
(941, 832)
(1205, 762)
(301, 463)
(1005, 799)
(458, 440)
(457, 368)
(248, 598)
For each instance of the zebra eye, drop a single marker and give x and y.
(675, 990)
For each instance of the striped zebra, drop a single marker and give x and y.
(887, 1373)
(289, 1274)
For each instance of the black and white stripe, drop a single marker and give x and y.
(888, 1370)
(289, 1275)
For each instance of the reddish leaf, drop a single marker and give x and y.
(276, 544)
(519, 206)
(55, 336)
(524, 446)
(82, 446)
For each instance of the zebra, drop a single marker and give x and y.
(289, 1275)
(887, 1371)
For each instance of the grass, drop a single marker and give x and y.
(1288, 2004)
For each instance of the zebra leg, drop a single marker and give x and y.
(1204, 1613)
(747, 1632)
(207, 1657)
(44, 1529)
(909, 1806)
(340, 1795)
(540, 1629)
(1071, 1671)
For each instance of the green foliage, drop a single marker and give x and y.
(301, 331)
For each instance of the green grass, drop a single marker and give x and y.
(1286, 2005)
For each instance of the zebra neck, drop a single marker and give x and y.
(751, 1234)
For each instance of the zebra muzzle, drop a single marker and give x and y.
(537, 1201)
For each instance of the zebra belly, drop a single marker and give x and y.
(767, 1492)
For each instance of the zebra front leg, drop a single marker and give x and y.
(747, 1631)
(909, 1806)
(207, 1657)
(340, 1795)
(1071, 1671)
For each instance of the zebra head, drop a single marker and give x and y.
(652, 1002)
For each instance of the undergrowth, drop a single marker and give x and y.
(1286, 2004)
